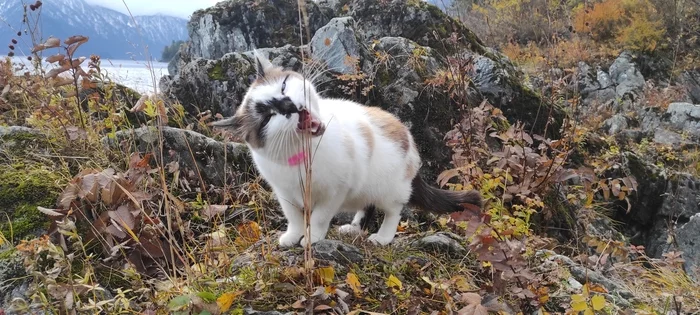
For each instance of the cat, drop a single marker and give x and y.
(362, 156)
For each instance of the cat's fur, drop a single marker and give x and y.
(362, 156)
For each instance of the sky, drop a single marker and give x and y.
(179, 8)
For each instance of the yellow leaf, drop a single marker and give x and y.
(394, 283)
(598, 302)
(226, 300)
(354, 283)
(579, 306)
(461, 283)
(578, 298)
(325, 274)
(249, 233)
(588, 311)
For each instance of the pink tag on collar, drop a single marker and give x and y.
(297, 159)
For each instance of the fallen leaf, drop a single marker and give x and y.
(354, 283)
(249, 233)
(210, 211)
(598, 302)
(322, 308)
(325, 274)
(226, 300)
(471, 298)
(50, 212)
(394, 283)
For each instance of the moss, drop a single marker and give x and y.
(216, 72)
(23, 188)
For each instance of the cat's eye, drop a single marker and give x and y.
(284, 83)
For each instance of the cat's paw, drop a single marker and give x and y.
(289, 239)
(314, 239)
(349, 229)
(377, 239)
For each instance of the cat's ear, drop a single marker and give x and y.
(232, 123)
(262, 64)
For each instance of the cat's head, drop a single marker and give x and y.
(279, 105)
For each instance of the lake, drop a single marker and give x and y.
(135, 74)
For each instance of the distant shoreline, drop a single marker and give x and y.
(134, 74)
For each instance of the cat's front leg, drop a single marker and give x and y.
(295, 224)
(321, 217)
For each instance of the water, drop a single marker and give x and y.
(134, 74)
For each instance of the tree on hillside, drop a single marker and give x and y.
(170, 50)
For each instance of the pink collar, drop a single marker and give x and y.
(297, 159)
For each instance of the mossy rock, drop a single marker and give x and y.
(23, 187)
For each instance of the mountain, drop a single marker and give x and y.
(112, 34)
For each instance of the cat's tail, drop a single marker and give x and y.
(437, 200)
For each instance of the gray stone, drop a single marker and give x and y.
(216, 162)
(250, 311)
(219, 85)
(11, 272)
(667, 137)
(691, 80)
(405, 31)
(626, 76)
(684, 117)
(236, 26)
(336, 44)
(12, 131)
(688, 240)
(615, 124)
(337, 251)
(603, 79)
(617, 291)
(442, 243)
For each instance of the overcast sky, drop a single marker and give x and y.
(180, 8)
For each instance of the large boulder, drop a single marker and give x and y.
(243, 25)
(691, 80)
(664, 212)
(625, 74)
(383, 60)
(194, 154)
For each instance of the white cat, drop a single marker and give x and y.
(361, 156)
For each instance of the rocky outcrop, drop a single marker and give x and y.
(691, 80)
(195, 154)
(664, 212)
(380, 60)
(243, 25)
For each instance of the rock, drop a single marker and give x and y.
(404, 35)
(680, 210)
(684, 117)
(615, 124)
(11, 273)
(217, 163)
(238, 26)
(415, 20)
(337, 251)
(335, 42)
(626, 76)
(595, 88)
(12, 132)
(174, 63)
(617, 292)
(441, 243)
(250, 311)
(691, 80)
(688, 241)
(651, 182)
(219, 85)
(667, 137)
